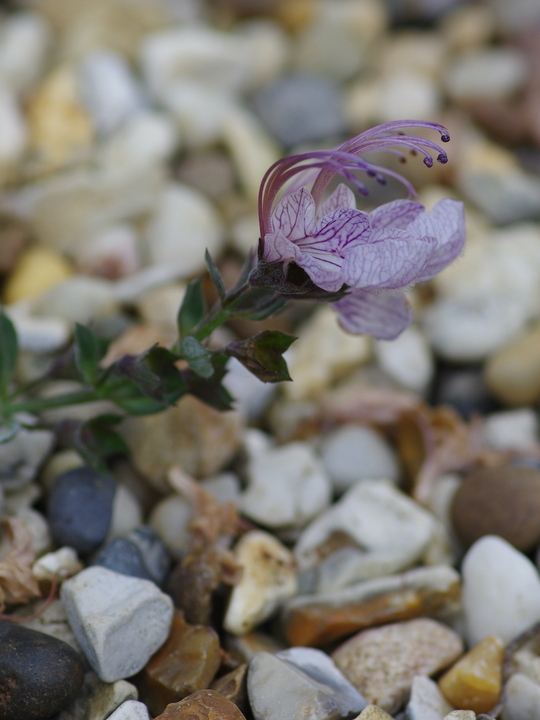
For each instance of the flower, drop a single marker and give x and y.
(367, 258)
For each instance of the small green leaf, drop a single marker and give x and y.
(262, 355)
(87, 354)
(199, 358)
(215, 275)
(97, 442)
(211, 390)
(192, 309)
(8, 352)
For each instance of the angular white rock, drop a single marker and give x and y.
(521, 698)
(130, 710)
(320, 667)
(24, 40)
(119, 621)
(385, 523)
(426, 700)
(108, 89)
(287, 487)
(408, 358)
(501, 591)
(356, 452)
(268, 578)
(183, 225)
(60, 564)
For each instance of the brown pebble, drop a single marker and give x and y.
(202, 705)
(14, 236)
(186, 663)
(233, 686)
(513, 373)
(502, 501)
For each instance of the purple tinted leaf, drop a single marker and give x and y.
(382, 313)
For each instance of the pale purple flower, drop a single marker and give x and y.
(370, 257)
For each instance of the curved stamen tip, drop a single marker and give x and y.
(442, 158)
(428, 161)
(445, 137)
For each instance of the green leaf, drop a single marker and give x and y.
(211, 390)
(258, 304)
(8, 352)
(87, 354)
(192, 309)
(262, 355)
(97, 442)
(215, 275)
(199, 357)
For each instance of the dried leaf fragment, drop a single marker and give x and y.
(17, 583)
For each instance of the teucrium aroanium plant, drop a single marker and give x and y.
(313, 245)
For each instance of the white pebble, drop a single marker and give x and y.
(13, 133)
(512, 429)
(24, 40)
(501, 591)
(170, 518)
(108, 89)
(112, 252)
(119, 621)
(287, 487)
(77, 299)
(126, 513)
(130, 710)
(487, 74)
(183, 226)
(460, 715)
(407, 359)
(405, 93)
(356, 452)
(426, 700)
(521, 698)
(61, 564)
(199, 111)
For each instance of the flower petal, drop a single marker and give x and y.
(339, 229)
(324, 268)
(391, 259)
(294, 215)
(342, 197)
(446, 222)
(382, 313)
(278, 249)
(397, 214)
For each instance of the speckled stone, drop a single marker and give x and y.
(39, 675)
(382, 662)
(202, 705)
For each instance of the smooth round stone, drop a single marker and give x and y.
(493, 563)
(80, 509)
(24, 40)
(464, 389)
(22, 456)
(408, 358)
(169, 519)
(111, 253)
(504, 501)
(521, 698)
(13, 129)
(356, 452)
(513, 373)
(126, 512)
(300, 109)
(426, 701)
(130, 710)
(512, 430)
(487, 74)
(406, 93)
(39, 675)
(77, 299)
(124, 557)
(38, 269)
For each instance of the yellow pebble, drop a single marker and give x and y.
(38, 269)
(475, 681)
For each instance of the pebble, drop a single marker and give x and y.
(77, 299)
(14, 134)
(298, 109)
(268, 578)
(321, 668)
(108, 90)
(287, 487)
(184, 222)
(251, 395)
(111, 253)
(233, 686)
(187, 662)
(22, 456)
(460, 715)
(126, 512)
(486, 74)
(377, 518)
(353, 453)
(53, 621)
(492, 563)
(511, 430)
(38, 269)
(119, 621)
(426, 701)
(130, 710)
(320, 619)
(123, 556)
(407, 359)
(80, 509)
(14, 238)
(278, 690)
(39, 675)
(153, 552)
(203, 704)
(193, 435)
(504, 501)
(406, 93)
(169, 520)
(475, 681)
(521, 698)
(39, 335)
(382, 662)
(61, 564)
(24, 39)
(373, 712)
(97, 700)
(512, 373)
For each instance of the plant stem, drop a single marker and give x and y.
(77, 397)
